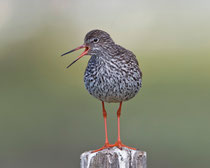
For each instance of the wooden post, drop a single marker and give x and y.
(114, 158)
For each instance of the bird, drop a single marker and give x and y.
(112, 75)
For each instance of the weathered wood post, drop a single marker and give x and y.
(114, 158)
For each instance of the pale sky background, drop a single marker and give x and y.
(147, 23)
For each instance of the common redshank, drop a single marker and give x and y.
(112, 74)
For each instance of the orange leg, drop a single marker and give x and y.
(119, 143)
(107, 145)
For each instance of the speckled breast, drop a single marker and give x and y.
(108, 81)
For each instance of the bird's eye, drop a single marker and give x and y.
(95, 40)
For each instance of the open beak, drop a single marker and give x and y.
(84, 53)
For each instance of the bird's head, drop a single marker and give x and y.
(95, 42)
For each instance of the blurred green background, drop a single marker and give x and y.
(47, 118)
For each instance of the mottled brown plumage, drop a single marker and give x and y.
(113, 73)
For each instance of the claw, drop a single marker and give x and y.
(119, 144)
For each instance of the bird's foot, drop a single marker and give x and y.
(107, 145)
(119, 144)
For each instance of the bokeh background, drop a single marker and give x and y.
(47, 118)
